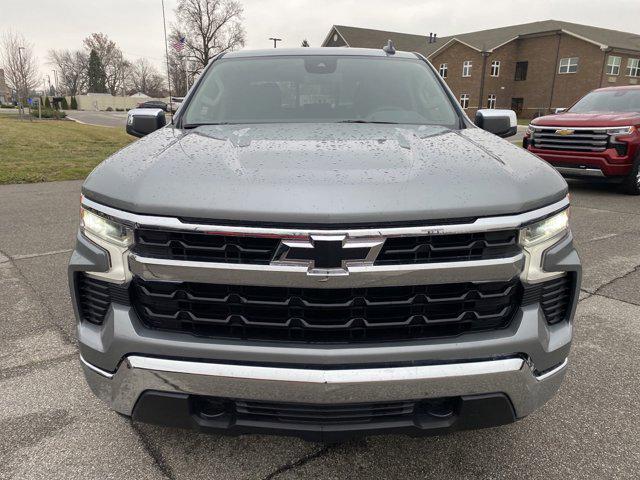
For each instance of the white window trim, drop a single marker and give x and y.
(444, 68)
(466, 98)
(612, 65)
(467, 65)
(568, 65)
(636, 67)
(492, 99)
(496, 64)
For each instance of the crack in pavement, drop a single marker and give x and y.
(613, 280)
(40, 364)
(153, 452)
(298, 463)
(44, 306)
(44, 254)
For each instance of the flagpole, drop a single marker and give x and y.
(166, 51)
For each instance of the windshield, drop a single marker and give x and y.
(609, 101)
(296, 89)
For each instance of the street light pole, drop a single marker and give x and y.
(275, 41)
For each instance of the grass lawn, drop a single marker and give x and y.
(44, 151)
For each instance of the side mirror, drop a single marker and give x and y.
(143, 121)
(560, 110)
(503, 123)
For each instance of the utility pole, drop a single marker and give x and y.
(275, 41)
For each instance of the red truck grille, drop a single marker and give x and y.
(559, 138)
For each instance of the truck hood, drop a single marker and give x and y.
(600, 119)
(323, 174)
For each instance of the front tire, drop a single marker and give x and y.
(631, 184)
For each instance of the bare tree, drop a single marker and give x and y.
(113, 61)
(19, 63)
(144, 77)
(211, 27)
(73, 67)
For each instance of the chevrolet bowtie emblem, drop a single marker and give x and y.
(328, 255)
(565, 131)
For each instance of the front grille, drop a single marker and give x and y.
(95, 297)
(554, 297)
(326, 315)
(448, 248)
(324, 414)
(205, 247)
(595, 140)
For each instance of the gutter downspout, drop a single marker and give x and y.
(605, 51)
(555, 71)
(485, 55)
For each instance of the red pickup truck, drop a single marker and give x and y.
(598, 137)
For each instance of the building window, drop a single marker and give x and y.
(495, 68)
(613, 65)
(633, 67)
(443, 70)
(521, 71)
(466, 68)
(568, 65)
(464, 100)
(491, 100)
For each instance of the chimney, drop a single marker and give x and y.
(430, 37)
(435, 36)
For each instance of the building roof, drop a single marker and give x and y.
(488, 40)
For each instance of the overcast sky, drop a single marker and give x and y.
(136, 25)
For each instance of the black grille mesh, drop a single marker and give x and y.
(198, 246)
(326, 315)
(95, 297)
(554, 297)
(324, 414)
(448, 248)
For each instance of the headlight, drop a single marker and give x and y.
(105, 228)
(545, 229)
(621, 131)
(529, 131)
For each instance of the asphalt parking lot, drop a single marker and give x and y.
(52, 427)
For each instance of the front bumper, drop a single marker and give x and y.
(607, 164)
(146, 387)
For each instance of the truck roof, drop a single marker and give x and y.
(324, 51)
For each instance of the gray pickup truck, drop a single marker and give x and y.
(321, 243)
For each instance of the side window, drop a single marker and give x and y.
(464, 100)
(521, 71)
(613, 65)
(466, 68)
(495, 68)
(568, 65)
(633, 67)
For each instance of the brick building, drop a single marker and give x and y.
(531, 68)
(5, 92)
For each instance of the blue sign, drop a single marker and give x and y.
(29, 101)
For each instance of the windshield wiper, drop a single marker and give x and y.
(366, 121)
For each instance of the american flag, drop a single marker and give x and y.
(179, 43)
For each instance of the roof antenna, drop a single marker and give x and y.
(389, 48)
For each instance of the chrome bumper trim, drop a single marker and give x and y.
(136, 374)
(500, 269)
(581, 172)
(485, 224)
